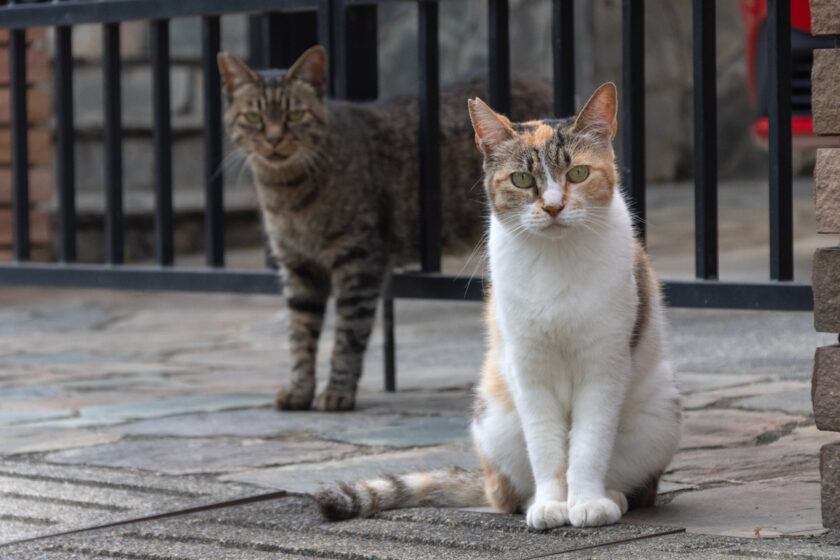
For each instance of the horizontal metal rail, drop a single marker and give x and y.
(782, 296)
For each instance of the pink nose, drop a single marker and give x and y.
(553, 209)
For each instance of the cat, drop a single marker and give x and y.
(577, 412)
(338, 189)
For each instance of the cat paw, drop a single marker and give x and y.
(620, 500)
(547, 514)
(293, 399)
(594, 512)
(333, 400)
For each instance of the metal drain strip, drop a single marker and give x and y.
(602, 545)
(196, 509)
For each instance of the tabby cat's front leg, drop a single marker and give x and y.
(358, 282)
(307, 287)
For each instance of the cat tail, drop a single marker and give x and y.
(451, 486)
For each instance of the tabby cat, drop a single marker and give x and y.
(577, 413)
(338, 187)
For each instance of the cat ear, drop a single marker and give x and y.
(599, 113)
(235, 73)
(311, 67)
(491, 128)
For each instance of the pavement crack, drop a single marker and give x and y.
(107, 552)
(26, 519)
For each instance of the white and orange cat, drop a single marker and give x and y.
(577, 413)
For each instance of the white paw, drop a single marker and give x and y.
(619, 498)
(548, 514)
(594, 512)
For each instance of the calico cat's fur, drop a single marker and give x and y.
(338, 186)
(577, 413)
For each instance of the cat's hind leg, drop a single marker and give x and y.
(358, 277)
(508, 481)
(307, 287)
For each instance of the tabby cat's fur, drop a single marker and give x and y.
(338, 186)
(577, 412)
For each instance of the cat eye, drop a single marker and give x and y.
(253, 117)
(578, 173)
(296, 115)
(522, 180)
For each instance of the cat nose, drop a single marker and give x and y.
(553, 209)
(274, 138)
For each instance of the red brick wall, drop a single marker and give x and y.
(39, 109)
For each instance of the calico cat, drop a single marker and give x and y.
(577, 413)
(338, 188)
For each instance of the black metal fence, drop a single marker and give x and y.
(280, 30)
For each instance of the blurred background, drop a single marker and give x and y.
(463, 50)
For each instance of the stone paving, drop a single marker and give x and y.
(115, 405)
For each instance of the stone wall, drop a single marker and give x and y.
(825, 386)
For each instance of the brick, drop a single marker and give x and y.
(827, 190)
(39, 227)
(825, 17)
(40, 185)
(825, 388)
(37, 62)
(830, 480)
(38, 105)
(825, 98)
(33, 34)
(40, 145)
(825, 278)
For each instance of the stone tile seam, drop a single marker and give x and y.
(63, 502)
(103, 484)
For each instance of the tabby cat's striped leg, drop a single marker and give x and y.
(356, 299)
(307, 288)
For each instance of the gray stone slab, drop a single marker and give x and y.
(792, 402)
(25, 416)
(201, 455)
(737, 510)
(27, 439)
(727, 428)
(122, 412)
(730, 396)
(691, 382)
(793, 456)
(407, 432)
(307, 479)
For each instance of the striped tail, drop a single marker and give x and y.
(452, 486)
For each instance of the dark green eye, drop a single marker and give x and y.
(253, 117)
(578, 173)
(522, 180)
(296, 115)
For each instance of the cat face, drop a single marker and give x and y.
(274, 115)
(553, 176)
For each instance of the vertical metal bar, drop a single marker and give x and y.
(389, 354)
(499, 34)
(705, 142)
(633, 100)
(429, 137)
(563, 45)
(214, 217)
(325, 38)
(338, 61)
(163, 141)
(65, 157)
(20, 143)
(779, 113)
(112, 94)
(354, 55)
